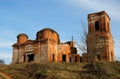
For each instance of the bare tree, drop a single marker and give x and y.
(82, 45)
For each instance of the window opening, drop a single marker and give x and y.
(97, 26)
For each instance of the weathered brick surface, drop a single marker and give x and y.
(46, 47)
(100, 44)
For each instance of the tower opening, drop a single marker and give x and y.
(97, 26)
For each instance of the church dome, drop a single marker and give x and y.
(22, 38)
(47, 33)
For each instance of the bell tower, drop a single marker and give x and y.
(100, 44)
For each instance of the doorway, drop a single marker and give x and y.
(75, 58)
(30, 57)
(53, 57)
(69, 59)
(64, 58)
(98, 57)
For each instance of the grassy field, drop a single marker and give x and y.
(1, 77)
(54, 70)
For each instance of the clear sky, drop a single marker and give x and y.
(64, 16)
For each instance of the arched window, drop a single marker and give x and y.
(39, 36)
(97, 26)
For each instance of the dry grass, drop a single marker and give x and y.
(54, 70)
(1, 77)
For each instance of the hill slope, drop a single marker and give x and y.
(53, 70)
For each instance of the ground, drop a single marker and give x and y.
(63, 70)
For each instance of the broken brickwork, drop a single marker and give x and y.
(46, 47)
(100, 44)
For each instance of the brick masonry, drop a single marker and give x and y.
(45, 48)
(100, 44)
(48, 48)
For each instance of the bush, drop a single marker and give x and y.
(41, 74)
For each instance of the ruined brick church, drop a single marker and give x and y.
(46, 47)
(100, 44)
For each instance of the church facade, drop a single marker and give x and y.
(45, 48)
(100, 44)
(48, 48)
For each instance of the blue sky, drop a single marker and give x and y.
(64, 16)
